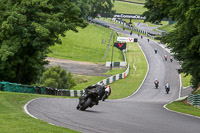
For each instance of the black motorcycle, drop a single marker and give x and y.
(88, 99)
(156, 86)
(167, 90)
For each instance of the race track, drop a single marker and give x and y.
(142, 112)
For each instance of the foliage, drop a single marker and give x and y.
(185, 39)
(101, 7)
(57, 77)
(27, 29)
(157, 10)
(94, 7)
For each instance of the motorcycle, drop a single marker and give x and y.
(88, 99)
(167, 90)
(156, 86)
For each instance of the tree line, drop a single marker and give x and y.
(29, 27)
(184, 40)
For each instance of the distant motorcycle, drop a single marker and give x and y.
(88, 99)
(156, 86)
(167, 88)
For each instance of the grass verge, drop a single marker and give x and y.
(185, 80)
(89, 44)
(124, 87)
(138, 68)
(128, 8)
(182, 107)
(15, 120)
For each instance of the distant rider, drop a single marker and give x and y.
(156, 82)
(167, 88)
(155, 50)
(165, 57)
(171, 58)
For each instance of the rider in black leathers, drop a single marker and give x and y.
(100, 89)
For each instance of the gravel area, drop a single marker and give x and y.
(77, 67)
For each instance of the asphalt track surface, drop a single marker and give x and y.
(143, 112)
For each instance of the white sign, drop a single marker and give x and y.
(124, 39)
(129, 16)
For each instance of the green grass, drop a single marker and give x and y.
(115, 71)
(167, 27)
(15, 120)
(125, 87)
(128, 8)
(185, 80)
(182, 107)
(86, 45)
(85, 81)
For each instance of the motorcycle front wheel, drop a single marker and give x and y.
(86, 104)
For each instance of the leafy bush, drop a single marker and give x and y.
(57, 77)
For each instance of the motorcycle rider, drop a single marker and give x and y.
(167, 88)
(156, 82)
(165, 56)
(107, 92)
(99, 88)
(155, 49)
(171, 58)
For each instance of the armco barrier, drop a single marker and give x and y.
(194, 100)
(115, 77)
(14, 87)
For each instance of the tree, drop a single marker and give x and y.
(94, 7)
(27, 29)
(101, 7)
(57, 77)
(185, 39)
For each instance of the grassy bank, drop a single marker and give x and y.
(167, 28)
(88, 44)
(128, 8)
(182, 107)
(125, 87)
(15, 120)
(185, 80)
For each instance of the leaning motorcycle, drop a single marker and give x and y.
(88, 99)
